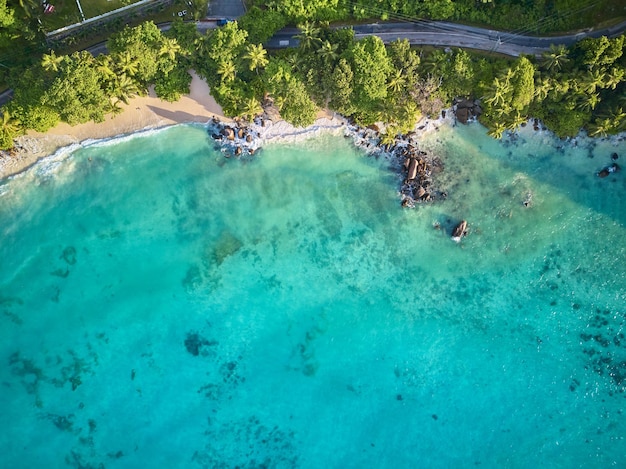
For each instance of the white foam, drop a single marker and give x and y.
(147, 132)
(283, 132)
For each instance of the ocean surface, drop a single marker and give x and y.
(162, 306)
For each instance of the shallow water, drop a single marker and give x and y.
(163, 306)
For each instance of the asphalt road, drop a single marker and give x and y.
(444, 34)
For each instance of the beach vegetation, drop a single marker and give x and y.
(569, 88)
(77, 92)
(256, 56)
(9, 129)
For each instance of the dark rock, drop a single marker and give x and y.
(195, 343)
(464, 104)
(228, 133)
(462, 115)
(604, 172)
(412, 170)
(459, 231)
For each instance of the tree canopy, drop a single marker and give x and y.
(569, 88)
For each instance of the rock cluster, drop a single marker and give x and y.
(419, 168)
(234, 138)
(415, 166)
(466, 110)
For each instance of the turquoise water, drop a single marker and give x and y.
(163, 306)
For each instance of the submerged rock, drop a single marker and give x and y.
(604, 172)
(226, 245)
(69, 255)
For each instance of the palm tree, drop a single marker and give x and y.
(517, 120)
(125, 88)
(542, 88)
(601, 128)
(294, 60)
(30, 7)
(226, 69)
(435, 61)
(257, 56)
(555, 57)
(497, 131)
(396, 81)
(615, 120)
(50, 62)
(170, 48)
(506, 77)
(503, 110)
(389, 137)
(498, 91)
(614, 77)
(127, 64)
(9, 129)
(251, 108)
(309, 36)
(587, 102)
(328, 52)
(592, 80)
(103, 66)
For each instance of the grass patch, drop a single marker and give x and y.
(93, 8)
(66, 12)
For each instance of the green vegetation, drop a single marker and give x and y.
(78, 88)
(569, 89)
(582, 87)
(525, 17)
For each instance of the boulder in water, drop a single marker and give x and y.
(459, 231)
(604, 172)
(228, 133)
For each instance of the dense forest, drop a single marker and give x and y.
(569, 89)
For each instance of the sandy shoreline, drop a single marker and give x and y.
(150, 112)
(141, 113)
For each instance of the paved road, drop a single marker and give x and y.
(445, 34)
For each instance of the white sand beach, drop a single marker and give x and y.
(140, 113)
(150, 112)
